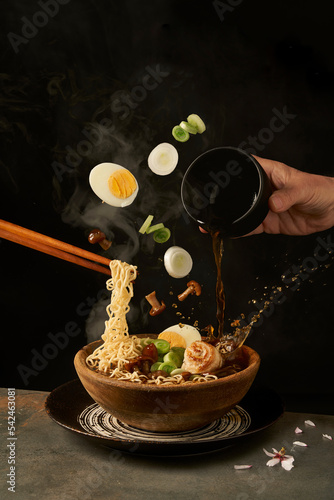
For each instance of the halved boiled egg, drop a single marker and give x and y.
(174, 339)
(113, 184)
(189, 333)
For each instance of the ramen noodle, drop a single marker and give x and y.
(118, 346)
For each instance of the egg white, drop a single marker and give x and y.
(98, 180)
(188, 332)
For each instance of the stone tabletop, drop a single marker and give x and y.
(46, 461)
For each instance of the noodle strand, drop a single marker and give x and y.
(118, 346)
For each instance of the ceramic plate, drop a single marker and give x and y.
(72, 407)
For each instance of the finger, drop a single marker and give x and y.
(278, 172)
(283, 199)
(279, 203)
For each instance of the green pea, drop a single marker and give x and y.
(162, 346)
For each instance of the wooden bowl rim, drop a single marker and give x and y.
(82, 368)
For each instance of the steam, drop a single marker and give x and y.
(110, 220)
(157, 195)
(95, 323)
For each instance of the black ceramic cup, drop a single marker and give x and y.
(226, 190)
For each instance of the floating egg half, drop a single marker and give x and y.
(188, 332)
(113, 184)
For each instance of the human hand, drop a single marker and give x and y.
(301, 203)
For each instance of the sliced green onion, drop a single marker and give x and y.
(189, 128)
(162, 235)
(156, 366)
(146, 224)
(180, 134)
(145, 342)
(162, 346)
(156, 227)
(173, 358)
(163, 159)
(179, 351)
(178, 262)
(167, 367)
(177, 371)
(197, 122)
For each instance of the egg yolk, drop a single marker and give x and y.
(175, 339)
(122, 183)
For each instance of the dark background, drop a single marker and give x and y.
(75, 78)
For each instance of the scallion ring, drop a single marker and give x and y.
(154, 228)
(163, 159)
(180, 134)
(188, 128)
(197, 122)
(162, 235)
(178, 262)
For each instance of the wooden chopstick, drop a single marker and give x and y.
(51, 246)
(52, 242)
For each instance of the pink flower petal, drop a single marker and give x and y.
(327, 436)
(299, 443)
(310, 423)
(268, 453)
(241, 467)
(272, 462)
(298, 430)
(287, 464)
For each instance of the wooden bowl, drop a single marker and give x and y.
(169, 408)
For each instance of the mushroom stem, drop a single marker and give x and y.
(157, 308)
(192, 288)
(185, 294)
(105, 244)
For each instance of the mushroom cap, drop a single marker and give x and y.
(96, 235)
(196, 286)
